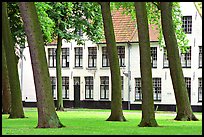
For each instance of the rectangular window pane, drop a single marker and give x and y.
(51, 57)
(104, 87)
(154, 56)
(88, 87)
(138, 89)
(199, 89)
(187, 24)
(105, 60)
(78, 56)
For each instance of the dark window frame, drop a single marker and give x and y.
(187, 24)
(200, 57)
(105, 57)
(121, 55)
(199, 89)
(52, 55)
(138, 89)
(165, 58)
(78, 56)
(105, 86)
(92, 57)
(89, 83)
(186, 59)
(53, 85)
(65, 57)
(65, 84)
(154, 57)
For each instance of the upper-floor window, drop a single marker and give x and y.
(166, 61)
(154, 56)
(138, 89)
(78, 56)
(52, 57)
(88, 87)
(186, 59)
(105, 60)
(65, 87)
(65, 57)
(200, 56)
(53, 84)
(199, 89)
(187, 24)
(121, 55)
(157, 88)
(92, 57)
(104, 87)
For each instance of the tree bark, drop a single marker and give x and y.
(6, 93)
(116, 97)
(16, 97)
(184, 110)
(59, 75)
(148, 115)
(47, 116)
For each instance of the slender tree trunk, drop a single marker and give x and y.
(59, 75)
(148, 115)
(6, 93)
(47, 116)
(184, 110)
(116, 97)
(16, 97)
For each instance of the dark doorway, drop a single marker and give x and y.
(188, 85)
(76, 92)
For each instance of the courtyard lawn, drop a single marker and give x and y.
(92, 122)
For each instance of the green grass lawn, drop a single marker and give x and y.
(92, 122)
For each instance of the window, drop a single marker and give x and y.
(92, 56)
(65, 57)
(78, 56)
(52, 57)
(88, 87)
(200, 56)
(121, 55)
(138, 89)
(188, 86)
(154, 56)
(105, 61)
(199, 89)
(122, 92)
(53, 84)
(80, 33)
(104, 87)
(187, 24)
(166, 62)
(186, 59)
(157, 88)
(65, 87)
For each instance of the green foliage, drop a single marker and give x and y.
(16, 24)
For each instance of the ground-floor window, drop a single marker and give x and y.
(65, 87)
(157, 88)
(53, 84)
(104, 87)
(122, 92)
(199, 89)
(138, 89)
(88, 87)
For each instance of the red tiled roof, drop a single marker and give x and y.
(125, 28)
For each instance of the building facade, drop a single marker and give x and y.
(86, 73)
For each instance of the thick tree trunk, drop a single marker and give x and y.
(116, 97)
(59, 75)
(148, 115)
(47, 116)
(16, 97)
(184, 110)
(6, 93)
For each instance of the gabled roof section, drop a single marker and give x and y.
(125, 28)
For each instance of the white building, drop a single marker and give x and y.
(86, 75)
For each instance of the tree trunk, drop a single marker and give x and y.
(16, 97)
(184, 111)
(59, 75)
(6, 93)
(116, 97)
(148, 115)
(47, 116)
